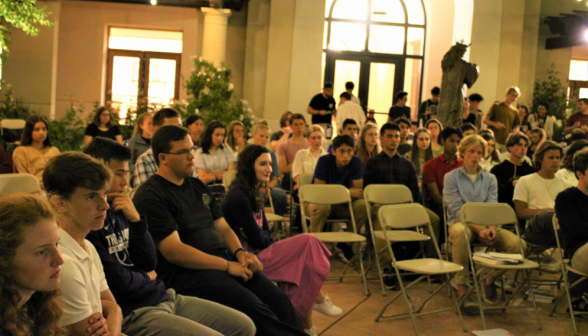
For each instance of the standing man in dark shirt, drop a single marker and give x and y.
(424, 112)
(198, 252)
(133, 280)
(474, 100)
(399, 109)
(322, 107)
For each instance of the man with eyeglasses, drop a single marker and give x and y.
(198, 252)
(146, 165)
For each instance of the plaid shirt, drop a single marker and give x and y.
(145, 167)
(382, 169)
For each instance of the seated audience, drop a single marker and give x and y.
(399, 109)
(349, 110)
(578, 120)
(542, 120)
(306, 159)
(434, 171)
(299, 264)
(471, 183)
(434, 126)
(235, 137)
(468, 116)
(367, 144)
(261, 134)
(492, 157)
(287, 150)
(30, 263)
(103, 125)
(467, 129)
(474, 101)
(577, 135)
(350, 128)
(424, 111)
(344, 168)
(389, 167)
(405, 125)
(6, 166)
(538, 137)
(284, 133)
(145, 165)
(534, 195)
(141, 140)
(195, 125)
(76, 186)
(573, 223)
(35, 148)
(371, 120)
(128, 256)
(214, 159)
(524, 117)
(420, 153)
(509, 171)
(566, 171)
(198, 252)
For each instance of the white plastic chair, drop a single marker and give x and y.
(402, 218)
(565, 269)
(11, 124)
(331, 194)
(19, 183)
(497, 214)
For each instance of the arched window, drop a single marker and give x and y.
(378, 45)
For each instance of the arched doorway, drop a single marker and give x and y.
(378, 45)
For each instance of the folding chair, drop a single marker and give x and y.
(383, 194)
(11, 124)
(565, 269)
(302, 180)
(496, 214)
(19, 183)
(332, 194)
(406, 216)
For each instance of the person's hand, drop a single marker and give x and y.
(295, 187)
(152, 275)
(500, 125)
(286, 130)
(97, 326)
(323, 112)
(488, 236)
(356, 193)
(240, 271)
(514, 183)
(123, 202)
(250, 261)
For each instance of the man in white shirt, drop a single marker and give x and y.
(349, 110)
(534, 194)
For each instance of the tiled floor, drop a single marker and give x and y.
(361, 321)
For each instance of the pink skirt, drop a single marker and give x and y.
(300, 264)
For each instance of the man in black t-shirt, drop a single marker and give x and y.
(198, 253)
(399, 109)
(322, 106)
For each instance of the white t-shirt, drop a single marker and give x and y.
(567, 175)
(350, 110)
(82, 280)
(539, 193)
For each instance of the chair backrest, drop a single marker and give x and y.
(403, 216)
(12, 123)
(488, 214)
(304, 179)
(18, 183)
(324, 194)
(229, 177)
(387, 194)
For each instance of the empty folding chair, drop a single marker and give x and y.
(19, 183)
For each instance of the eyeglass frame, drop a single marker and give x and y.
(181, 152)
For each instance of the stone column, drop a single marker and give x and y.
(214, 42)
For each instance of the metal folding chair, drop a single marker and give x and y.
(19, 183)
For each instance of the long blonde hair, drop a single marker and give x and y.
(140, 121)
(362, 151)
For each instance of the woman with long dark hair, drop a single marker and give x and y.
(299, 264)
(213, 159)
(30, 262)
(35, 148)
(103, 125)
(435, 127)
(421, 152)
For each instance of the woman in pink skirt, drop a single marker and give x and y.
(300, 264)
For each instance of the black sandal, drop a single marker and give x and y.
(579, 306)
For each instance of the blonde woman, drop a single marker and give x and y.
(306, 159)
(435, 127)
(236, 138)
(367, 145)
(141, 140)
(260, 134)
(421, 152)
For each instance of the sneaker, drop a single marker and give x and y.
(327, 308)
(468, 303)
(490, 296)
(347, 250)
(390, 279)
(311, 331)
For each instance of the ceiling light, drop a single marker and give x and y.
(154, 2)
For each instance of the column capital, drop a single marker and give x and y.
(223, 12)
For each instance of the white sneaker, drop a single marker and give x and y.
(311, 331)
(327, 308)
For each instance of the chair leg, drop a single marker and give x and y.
(477, 289)
(456, 303)
(379, 270)
(408, 304)
(367, 292)
(528, 282)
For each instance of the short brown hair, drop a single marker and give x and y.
(285, 118)
(514, 139)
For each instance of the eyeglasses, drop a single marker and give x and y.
(183, 152)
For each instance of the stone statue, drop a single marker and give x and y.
(456, 73)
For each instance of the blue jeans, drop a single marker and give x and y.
(280, 201)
